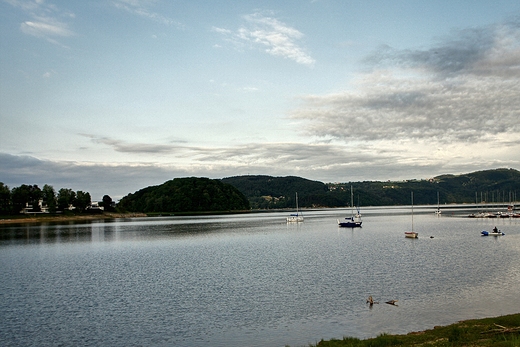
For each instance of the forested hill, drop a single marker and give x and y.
(190, 194)
(280, 192)
(500, 185)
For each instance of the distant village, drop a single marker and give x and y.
(30, 199)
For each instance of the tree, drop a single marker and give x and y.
(26, 195)
(5, 199)
(66, 198)
(82, 200)
(107, 203)
(49, 198)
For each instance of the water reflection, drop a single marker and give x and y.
(251, 279)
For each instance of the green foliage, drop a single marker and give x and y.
(106, 203)
(26, 195)
(82, 201)
(498, 331)
(5, 199)
(49, 198)
(500, 185)
(266, 192)
(190, 194)
(65, 198)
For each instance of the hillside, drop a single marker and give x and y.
(279, 192)
(499, 185)
(190, 194)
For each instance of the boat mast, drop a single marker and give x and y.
(352, 201)
(412, 211)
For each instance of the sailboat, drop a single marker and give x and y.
(355, 220)
(438, 211)
(295, 217)
(411, 234)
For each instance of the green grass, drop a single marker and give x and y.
(499, 331)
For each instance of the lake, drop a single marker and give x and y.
(252, 279)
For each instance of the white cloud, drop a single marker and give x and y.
(46, 20)
(46, 28)
(142, 8)
(270, 35)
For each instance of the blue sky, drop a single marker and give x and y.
(111, 96)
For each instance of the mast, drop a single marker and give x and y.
(352, 201)
(412, 211)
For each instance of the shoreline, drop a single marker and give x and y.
(501, 330)
(68, 218)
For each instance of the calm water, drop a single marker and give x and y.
(251, 280)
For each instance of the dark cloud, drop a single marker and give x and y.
(463, 90)
(97, 178)
(459, 53)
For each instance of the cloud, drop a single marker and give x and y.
(96, 178)
(47, 27)
(136, 148)
(142, 8)
(490, 50)
(463, 90)
(47, 20)
(326, 162)
(270, 35)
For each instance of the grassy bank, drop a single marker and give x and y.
(498, 331)
(43, 218)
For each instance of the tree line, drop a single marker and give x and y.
(268, 192)
(13, 201)
(189, 194)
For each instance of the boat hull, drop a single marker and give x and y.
(491, 233)
(350, 224)
(294, 219)
(411, 234)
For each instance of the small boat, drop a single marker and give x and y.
(411, 234)
(438, 211)
(295, 217)
(495, 232)
(355, 220)
(350, 222)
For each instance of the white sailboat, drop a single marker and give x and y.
(438, 211)
(411, 234)
(295, 217)
(355, 220)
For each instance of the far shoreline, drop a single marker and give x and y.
(44, 218)
(56, 218)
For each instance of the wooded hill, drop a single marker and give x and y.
(493, 186)
(190, 194)
(237, 193)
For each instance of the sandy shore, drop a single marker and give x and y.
(57, 218)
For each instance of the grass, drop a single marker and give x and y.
(503, 331)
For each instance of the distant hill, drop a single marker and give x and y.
(280, 192)
(190, 194)
(499, 185)
(193, 194)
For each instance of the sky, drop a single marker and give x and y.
(111, 96)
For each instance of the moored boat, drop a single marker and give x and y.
(350, 222)
(355, 220)
(295, 217)
(411, 234)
